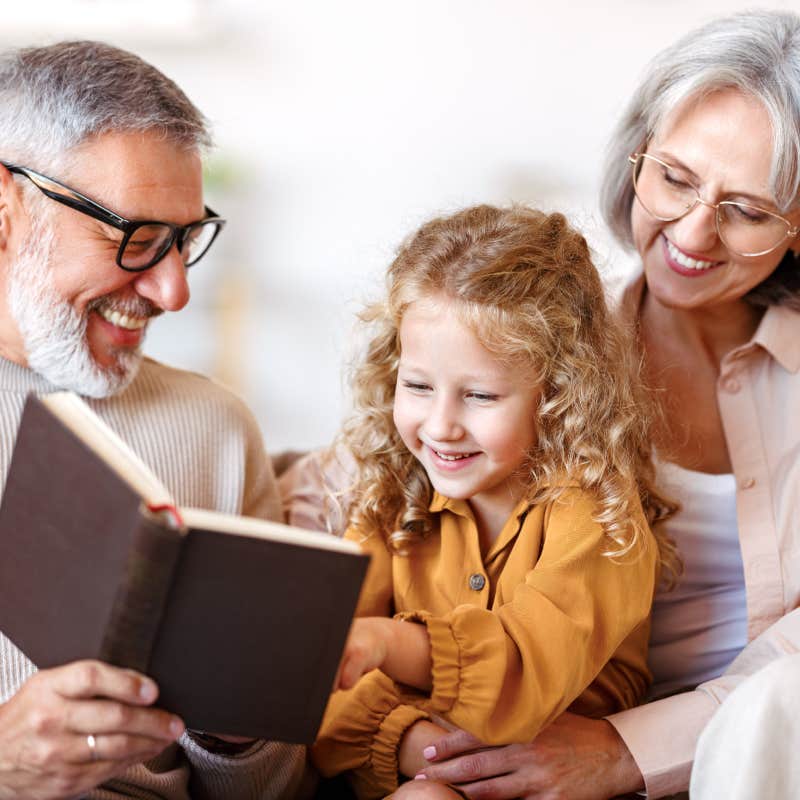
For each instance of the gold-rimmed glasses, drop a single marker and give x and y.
(665, 192)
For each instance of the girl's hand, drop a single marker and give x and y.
(365, 650)
(402, 650)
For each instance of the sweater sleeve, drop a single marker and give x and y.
(165, 777)
(665, 761)
(260, 497)
(504, 673)
(269, 771)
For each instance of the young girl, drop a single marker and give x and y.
(500, 448)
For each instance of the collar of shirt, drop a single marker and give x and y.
(462, 509)
(778, 333)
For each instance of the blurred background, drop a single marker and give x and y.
(340, 127)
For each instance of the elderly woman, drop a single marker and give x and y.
(703, 180)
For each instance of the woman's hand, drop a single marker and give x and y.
(400, 649)
(574, 757)
(71, 728)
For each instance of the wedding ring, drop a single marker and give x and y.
(92, 742)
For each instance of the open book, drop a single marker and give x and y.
(240, 621)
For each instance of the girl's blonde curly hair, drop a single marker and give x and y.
(525, 283)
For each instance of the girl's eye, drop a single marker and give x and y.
(416, 387)
(482, 397)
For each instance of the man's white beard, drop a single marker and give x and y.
(54, 334)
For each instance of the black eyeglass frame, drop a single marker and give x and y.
(72, 198)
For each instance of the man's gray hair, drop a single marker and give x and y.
(756, 52)
(57, 97)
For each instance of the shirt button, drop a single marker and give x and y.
(477, 582)
(747, 483)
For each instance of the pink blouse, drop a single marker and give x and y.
(758, 391)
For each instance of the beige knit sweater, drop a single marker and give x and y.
(206, 447)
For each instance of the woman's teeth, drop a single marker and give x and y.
(686, 261)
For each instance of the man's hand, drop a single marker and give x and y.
(574, 757)
(70, 728)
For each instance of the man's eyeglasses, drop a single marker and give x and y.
(145, 242)
(665, 192)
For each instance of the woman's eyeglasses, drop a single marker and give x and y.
(666, 193)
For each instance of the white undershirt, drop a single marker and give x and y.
(701, 625)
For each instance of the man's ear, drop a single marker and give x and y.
(10, 206)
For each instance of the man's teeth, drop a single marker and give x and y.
(684, 260)
(123, 320)
(452, 456)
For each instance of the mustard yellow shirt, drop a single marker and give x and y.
(543, 622)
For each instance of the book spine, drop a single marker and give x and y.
(140, 601)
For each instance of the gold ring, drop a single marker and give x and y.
(92, 742)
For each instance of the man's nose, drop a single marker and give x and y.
(165, 284)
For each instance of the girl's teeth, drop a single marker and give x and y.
(453, 457)
(684, 260)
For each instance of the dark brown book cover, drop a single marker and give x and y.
(242, 633)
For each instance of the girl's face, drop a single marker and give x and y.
(721, 145)
(469, 419)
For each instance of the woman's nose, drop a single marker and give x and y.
(697, 231)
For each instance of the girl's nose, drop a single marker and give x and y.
(443, 423)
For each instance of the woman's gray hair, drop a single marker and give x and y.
(756, 52)
(55, 98)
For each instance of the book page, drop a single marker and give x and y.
(97, 436)
(264, 529)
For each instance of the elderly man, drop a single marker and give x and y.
(101, 213)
